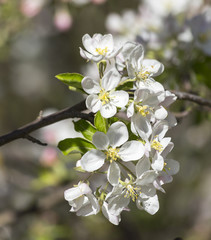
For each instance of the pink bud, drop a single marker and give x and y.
(31, 8)
(63, 20)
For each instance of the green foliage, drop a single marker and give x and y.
(86, 128)
(73, 80)
(126, 85)
(100, 123)
(79, 145)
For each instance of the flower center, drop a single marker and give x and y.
(102, 51)
(104, 96)
(143, 110)
(112, 154)
(156, 145)
(131, 191)
(143, 75)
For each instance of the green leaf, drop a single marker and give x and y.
(100, 123)
(80, 145)
(86, 128)
(73, 80)
(126, 85)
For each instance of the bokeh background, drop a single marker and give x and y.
(40, 39)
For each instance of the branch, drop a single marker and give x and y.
(76, 111)
(40, 122)
(192, 98)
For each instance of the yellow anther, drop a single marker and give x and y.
(112, 154)
(131, 191)
(143, 110)
(143, 75)
(156, 145)
(102, 51)
(104, 96)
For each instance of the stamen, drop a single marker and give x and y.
(112, 154)
(143, 110)
(102, 51)
(104, 96)
(156, 145)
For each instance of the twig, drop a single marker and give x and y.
(40, 122)
(34, 140)
(192, 98)
(76, 111)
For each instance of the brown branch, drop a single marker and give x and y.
(40, 122)
(193, 98)
(73, 112)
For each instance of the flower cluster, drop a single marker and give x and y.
(127, 143)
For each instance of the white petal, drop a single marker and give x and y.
(89, 207)
(151, 205)
(111, 79)
(142, 166)
(92, 160)
(100, 140)
(132, 150)
(84, 54)
(117, 134)
(119, 98)
(147, 177)
(113, 174)
(142, 126)
(93, 103)
(108, 110)
(147, 191)
(107, 41)
(76, 204)
(88, 43)
(90, 86)
(153, 66)
(130, 110)
(172, 167)
(157, 162)
(160, 128)
(112, 218)
(117, 204)
(161, 113)
(75, 192)
(167, 149)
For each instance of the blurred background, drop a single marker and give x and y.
(40, 39)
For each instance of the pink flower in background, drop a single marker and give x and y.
(63, 19)
(31, 8)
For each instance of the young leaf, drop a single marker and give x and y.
(80, 145)
(86, 128)
(100, 123)
(73, 80)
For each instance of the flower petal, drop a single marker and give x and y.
(117, 134)
(142, 166)
(92, 160)
(90, 85)
(119, 98)
(100, 140)
(111, 79)
(147, 177)
(93, 103)
(108, 110)
(112, 218)
(151, 205)
(113, 174)
(132, 150)
(75, 192)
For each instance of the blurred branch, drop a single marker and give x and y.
(23, 132)
(192, 98)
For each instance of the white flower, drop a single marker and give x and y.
(98, 47)
(102, 96)
(147, 103)
(112, 147)
(82, 200)
(143, 70)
